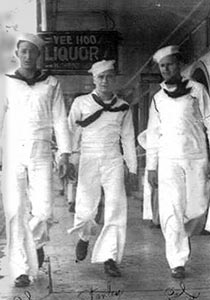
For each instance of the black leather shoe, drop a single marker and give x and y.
(111, 269)
(178, 272)
(153, 225)
(40, 256)
(72, 207)
(204, 232)
(22, 281)
(81, 250)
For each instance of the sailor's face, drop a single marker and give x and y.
(28, 55)
(105, 81)
(169, 67)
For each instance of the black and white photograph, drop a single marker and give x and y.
(104, 149)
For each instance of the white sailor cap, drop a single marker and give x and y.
(32, 38)
(163, 52)
(101, 66)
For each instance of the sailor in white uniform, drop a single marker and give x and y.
(176, 142)
(32, 107)
(106, 120)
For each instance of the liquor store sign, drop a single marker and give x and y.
(75, 51)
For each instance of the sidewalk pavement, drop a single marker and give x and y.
(145, 273)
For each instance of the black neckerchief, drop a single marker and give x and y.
(180, 90)
(105, 107)
(38, 76)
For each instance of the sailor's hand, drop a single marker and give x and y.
(133, 181)
(153, 178)
(63, 165)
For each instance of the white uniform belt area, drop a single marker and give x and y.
(27, 143)
(108, 149)
(41, 135)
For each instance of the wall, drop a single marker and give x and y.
(71, 15)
